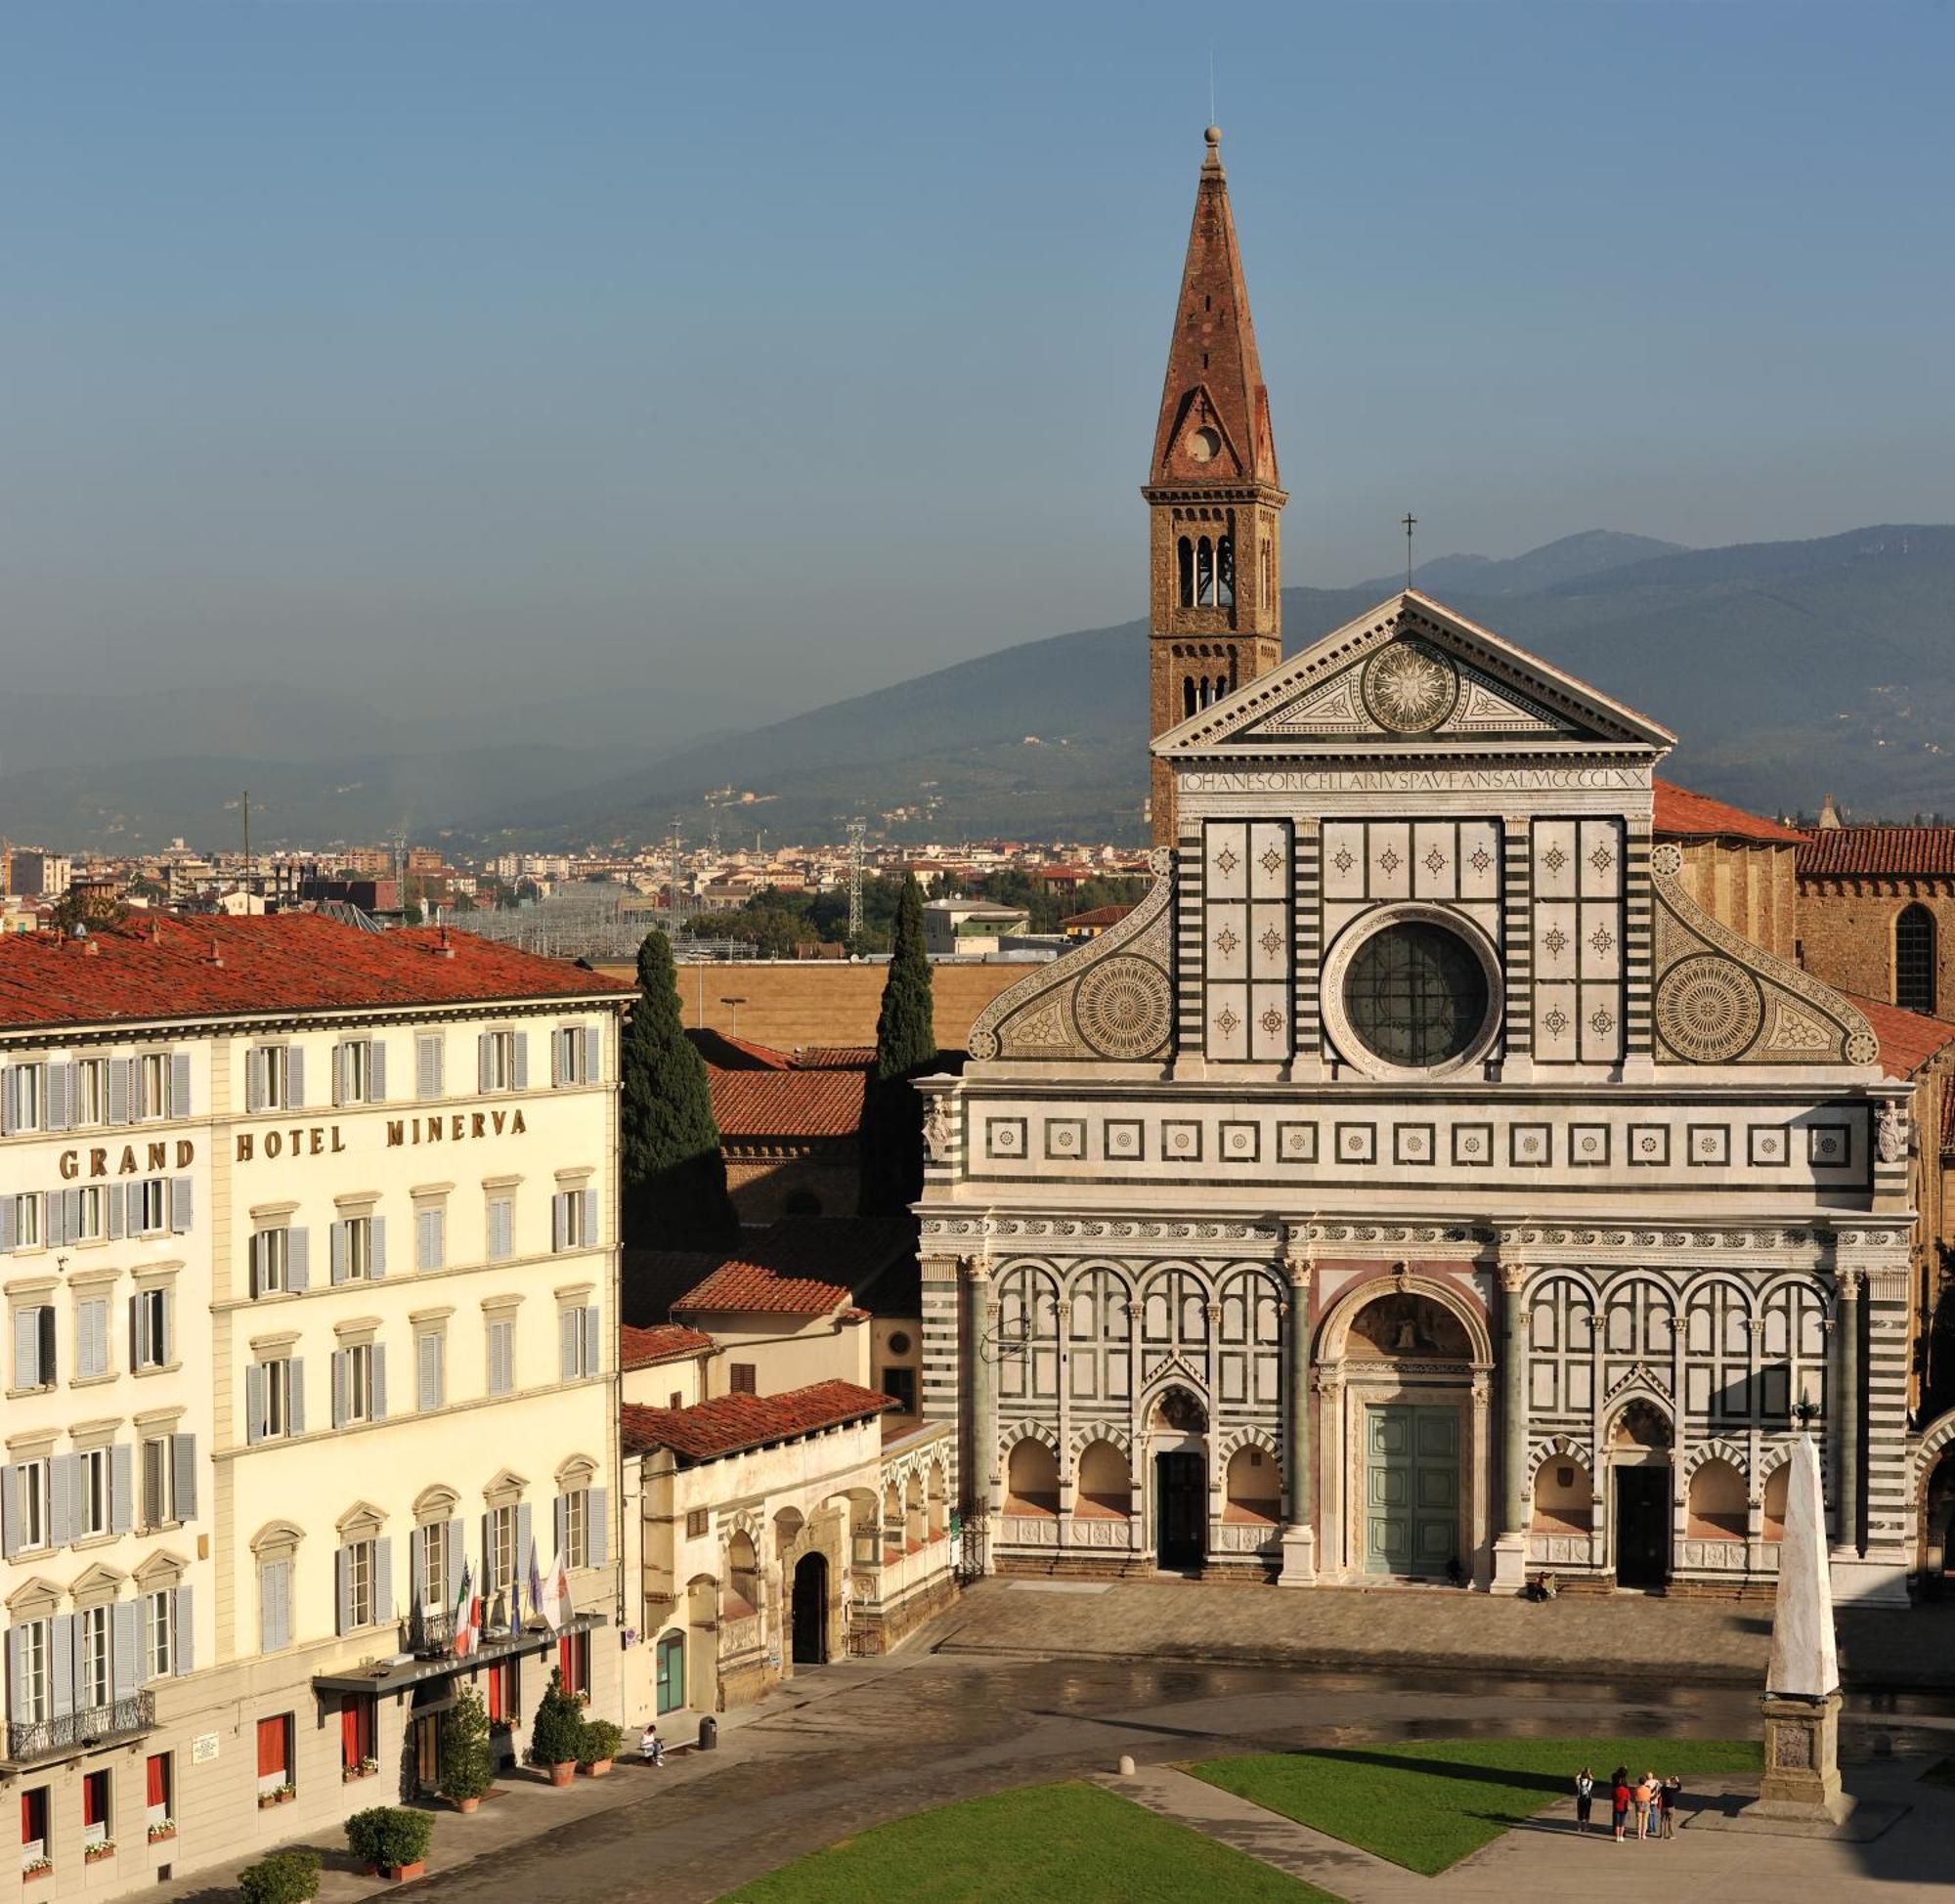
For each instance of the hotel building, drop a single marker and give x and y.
(308, 1239)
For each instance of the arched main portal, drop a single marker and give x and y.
(810, 1610)
(1403, 1363)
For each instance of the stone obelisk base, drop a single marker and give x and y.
(1801, 1781)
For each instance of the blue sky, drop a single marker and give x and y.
(770, 353)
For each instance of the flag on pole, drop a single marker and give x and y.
(460, 1620)
(536, 1582)
(556, 1600)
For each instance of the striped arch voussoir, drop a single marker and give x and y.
(1935, 1441)
(1718, 1450)
(1237, 1438)
(1103, 1431)
(1558, 1447)
(1011, 1434)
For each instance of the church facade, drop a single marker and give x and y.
(1419, 1183)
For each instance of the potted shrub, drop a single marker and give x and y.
(556, 1736)
(283, 1878)
(467, 1754)
(390, 1840)
(601, 1741)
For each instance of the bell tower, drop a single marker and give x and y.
(1214, 497)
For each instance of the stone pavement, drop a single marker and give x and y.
(1548, 1858)
(854, 1744)
(1588, 1636)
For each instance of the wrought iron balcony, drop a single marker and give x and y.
(72, 1732)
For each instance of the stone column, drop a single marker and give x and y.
(1845, 1422)
(1299, 1540)
(1511, 1541)
(982, 1463)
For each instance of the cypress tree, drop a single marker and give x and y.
(675, 1177)
(892, 1140)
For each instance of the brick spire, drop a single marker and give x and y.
(1215, 412)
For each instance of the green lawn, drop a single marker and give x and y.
(1427, 1805)
(1044, 1844)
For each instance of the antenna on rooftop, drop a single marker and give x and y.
(671, 890)
(857, 830)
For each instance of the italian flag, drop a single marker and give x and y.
(467, 1616)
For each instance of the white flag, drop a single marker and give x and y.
(556, 1607)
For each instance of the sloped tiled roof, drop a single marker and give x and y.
(1681, 814)
(723, 1052)
(220, 966)
(730, 1423)
(792, 1103)
(1874, 852)
(835, 1058)
(1097, 916)
(664, 1342)
(805, 1266)
(651, 1281)
(1908, 1039)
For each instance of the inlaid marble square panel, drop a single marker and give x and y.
(1648, 1143)
(1708, 1146)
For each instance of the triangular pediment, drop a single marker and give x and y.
(1200, 412)
(1411, 674)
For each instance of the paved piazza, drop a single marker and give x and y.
(984, 1699)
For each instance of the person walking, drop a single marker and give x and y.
(1645, 1792)
(1619, 1801)
(1584, 1798)
(1672, 1792)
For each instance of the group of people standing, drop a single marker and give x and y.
(1653, 1800)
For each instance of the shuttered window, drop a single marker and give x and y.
(501, 1356)
(430, 1369)
(501, 1229)
(430, 1236)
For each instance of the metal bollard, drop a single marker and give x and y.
(709, 1734)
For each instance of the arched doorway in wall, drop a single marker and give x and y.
(1178, 1441)
(810, 1610)
(1404, 1364)
(1639, 1449)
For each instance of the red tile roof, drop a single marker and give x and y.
(1097, 916)
(750, 1105)
(1871, 852)
(727, 1424)
(835, 1058)
(723, 1052)
(667, 1342)
(813, 1266)
(219, 967)
(1681, 814)
(1908, 1039)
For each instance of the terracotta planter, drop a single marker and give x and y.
(561, 1775)
(464, 1804)
(598, 1768)
(404, 1873)
(161, 1837)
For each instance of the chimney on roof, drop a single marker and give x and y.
(443, 949)
(90, 949)
(216, 957)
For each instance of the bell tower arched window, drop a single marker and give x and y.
(1914, 960)
(1186, 689)
(1225, 572)
(1185, 568)
(1205, 574)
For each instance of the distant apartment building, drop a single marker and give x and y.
(970, 928)
(34, 873)
(308, 1238)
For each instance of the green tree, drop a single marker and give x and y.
(675, 1176)
(891, 1142)
(467, 1756)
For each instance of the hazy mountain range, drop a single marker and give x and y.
(1789, 668)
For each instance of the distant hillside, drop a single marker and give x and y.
(1571, 559)
(1788, 668)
